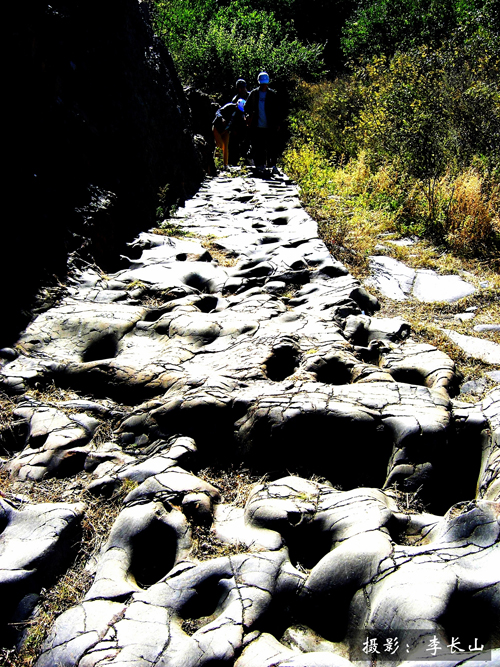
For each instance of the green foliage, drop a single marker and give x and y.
(214, 44)
(386, 26)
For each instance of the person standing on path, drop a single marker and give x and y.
(238, 147)
(227, 119)
(241, 91)
(262, 114)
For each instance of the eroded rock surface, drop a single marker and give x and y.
(398, 281)
(248, 344)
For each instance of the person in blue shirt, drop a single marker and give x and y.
(262, 113)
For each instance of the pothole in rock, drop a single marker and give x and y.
(306, 545)
(154, 314)
(325, 621)
(264, 240)
(201, 606)
(67, 463)
(153, 553)
(282, 363)
(105, 347)
(334, 444)
(207, 303)
(198, 282)
(408, 376)
(38, 441)
(471, 617)
(333, 371)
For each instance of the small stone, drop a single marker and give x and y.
(275, 286)
(480, 328)
(464, 317)
(402, 243)
(476, 387)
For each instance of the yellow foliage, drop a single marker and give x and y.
(473, 217)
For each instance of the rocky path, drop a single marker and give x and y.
(259, 356)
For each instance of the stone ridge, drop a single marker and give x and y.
(271, 358)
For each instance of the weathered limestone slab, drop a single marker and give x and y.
(430, 286)
(56, 443)
(387, 582)
(479, 328)
(391, 277)
(478, 348)
(397, 281)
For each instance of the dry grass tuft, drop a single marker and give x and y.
(472, 216)
(235, 485)
(408, 503)
(220, 255)
(7, 422)
(105, 432)
(167, 228)
(205, 545)
(51, 394)
(155, 299)
(191, 625)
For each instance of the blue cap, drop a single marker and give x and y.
(263, 77)
(241, 104)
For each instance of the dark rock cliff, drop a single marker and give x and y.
(98, 123)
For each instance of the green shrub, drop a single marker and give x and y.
(213, 45)
(386, 26)
(325, 114)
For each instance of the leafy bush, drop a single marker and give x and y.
(325, 114)
(387, 26)
(213, 45)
